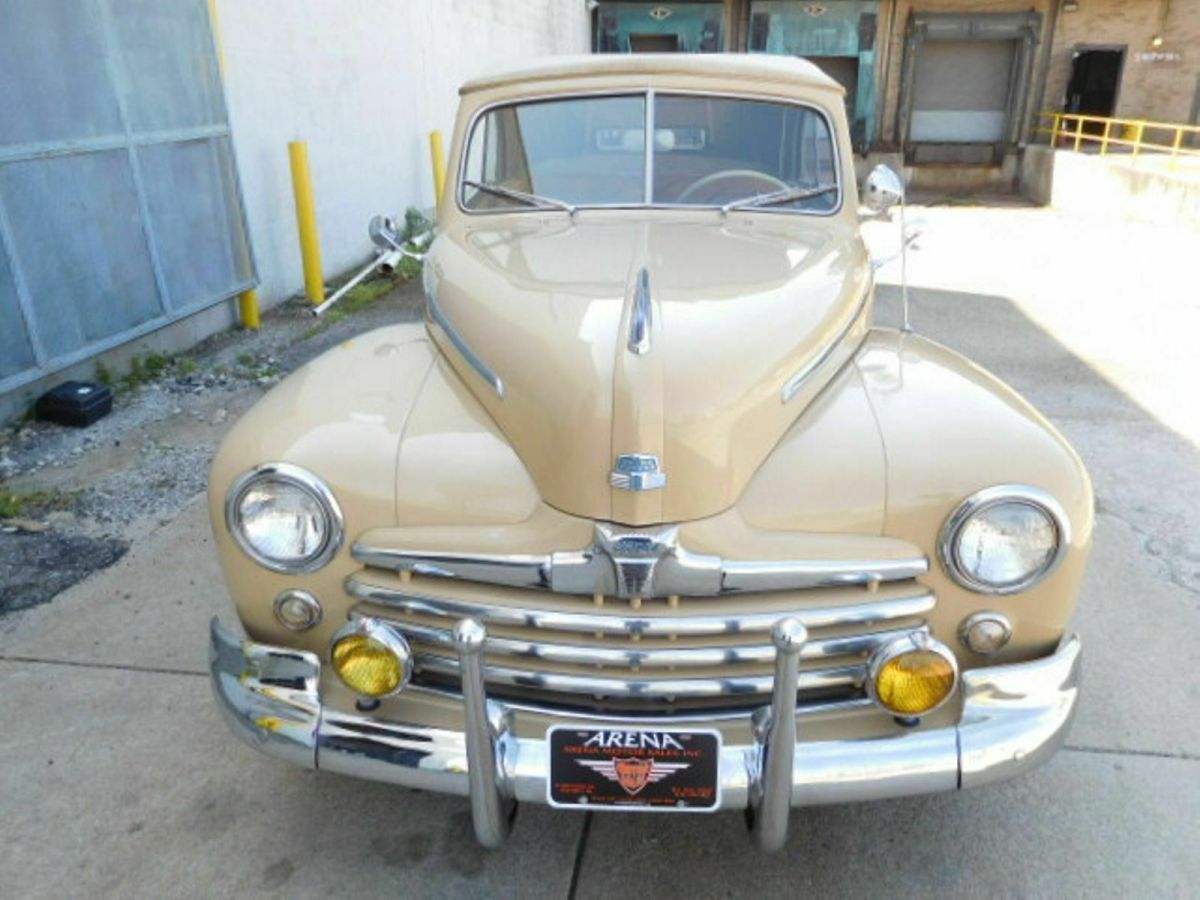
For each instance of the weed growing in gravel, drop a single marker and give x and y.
(143, 370)
(13, 504)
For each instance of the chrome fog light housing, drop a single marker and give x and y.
(1004, 539)
(297, 610)
(912, 675)
(372, 658)
(985, 632)
(284, 518)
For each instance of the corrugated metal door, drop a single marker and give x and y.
(961, 91)
(120, 209)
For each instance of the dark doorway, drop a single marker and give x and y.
(654, 43)
(843, 70)
(1095, 77)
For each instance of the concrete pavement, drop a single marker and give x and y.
(118, 777)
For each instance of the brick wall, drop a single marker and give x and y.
(1163, 91)
(1160, 90)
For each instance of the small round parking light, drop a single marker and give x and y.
(912, 676)
(372, 658)
(297, 610)
(985, 633)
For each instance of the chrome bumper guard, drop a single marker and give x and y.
(1014, 717)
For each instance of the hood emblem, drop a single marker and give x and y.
(637, 472)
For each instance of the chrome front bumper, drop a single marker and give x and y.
(1014, 717)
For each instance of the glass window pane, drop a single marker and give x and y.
(714, 150)
(583, 151)
(52, 69)
(78, 234)
(16, 353)
(170, 66)
(198, 231)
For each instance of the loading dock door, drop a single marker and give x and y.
(964, 85)
(961, 92)
(119, 203)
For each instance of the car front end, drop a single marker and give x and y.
(648, 515)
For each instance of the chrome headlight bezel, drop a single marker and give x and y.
(308, 483)
(980, 502)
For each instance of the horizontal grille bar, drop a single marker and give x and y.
(864, 613)
(647, 688)
(658, 657)
(647, 562)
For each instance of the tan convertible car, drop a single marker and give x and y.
(647, 515)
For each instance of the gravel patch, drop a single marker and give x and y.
(102, 487)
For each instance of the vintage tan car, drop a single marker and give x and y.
(647, 514)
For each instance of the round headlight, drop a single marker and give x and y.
(284, 518)
(1004, 539)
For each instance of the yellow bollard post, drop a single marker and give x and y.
(248, 304)
(438, 155)
(306, 221)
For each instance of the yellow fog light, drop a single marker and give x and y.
(912, 675)
(372, 658)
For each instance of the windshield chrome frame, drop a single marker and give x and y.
(649, 94)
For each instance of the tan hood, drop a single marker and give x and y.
(737, 309)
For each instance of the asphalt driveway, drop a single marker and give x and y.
(118, 778)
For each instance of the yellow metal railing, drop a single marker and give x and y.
(1074, 130)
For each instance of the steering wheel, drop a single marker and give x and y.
(712, 178)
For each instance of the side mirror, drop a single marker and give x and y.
(384, 233)
(883, 189)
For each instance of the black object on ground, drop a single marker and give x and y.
(77, 403)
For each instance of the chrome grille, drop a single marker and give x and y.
(634, 656)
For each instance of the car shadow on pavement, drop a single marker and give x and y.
(1118, 780)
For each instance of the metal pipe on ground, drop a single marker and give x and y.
(385, 264)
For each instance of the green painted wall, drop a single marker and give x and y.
(698, 26)
(824, 28)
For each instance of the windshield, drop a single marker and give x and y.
(707, 151)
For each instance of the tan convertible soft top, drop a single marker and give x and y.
(737, 66)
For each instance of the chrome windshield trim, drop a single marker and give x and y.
(640, 563)
(648, 688)
(657, 657)
(439, 316)
(417, 603)
(649, 94)
(648, 187)
(792, 386)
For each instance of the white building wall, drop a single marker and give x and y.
(363, 82)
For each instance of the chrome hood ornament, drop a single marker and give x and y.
(641, 317)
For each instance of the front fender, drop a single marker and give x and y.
(949, 429)
(342, 417)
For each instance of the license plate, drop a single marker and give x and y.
(634, 769)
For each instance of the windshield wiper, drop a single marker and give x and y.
(520, 196)
(774, 198)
